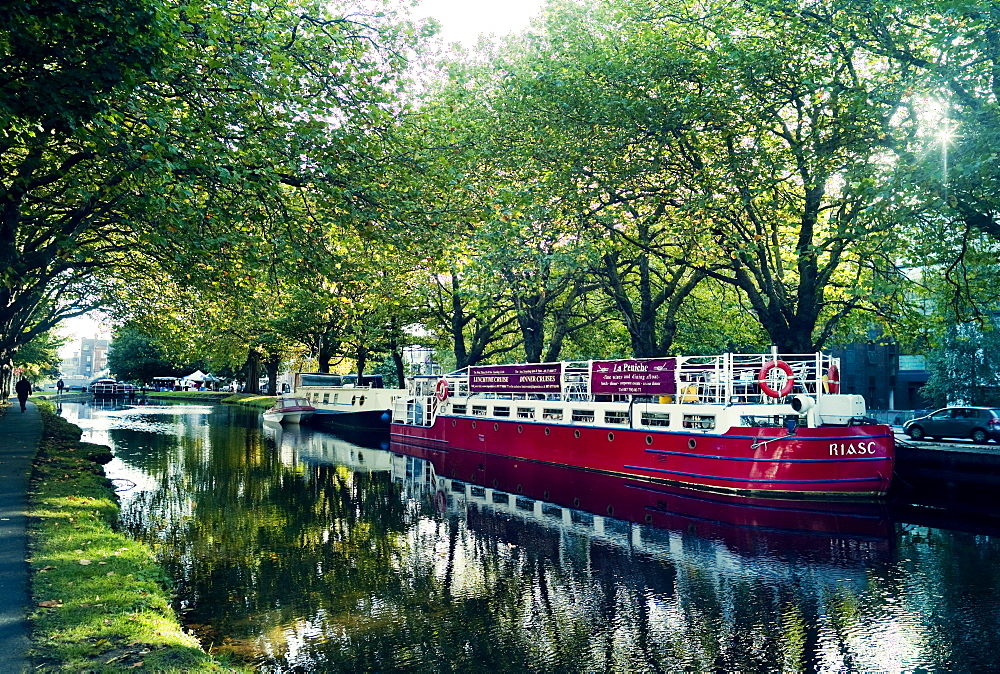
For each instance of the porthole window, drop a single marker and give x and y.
(692, 443)
(576, 434)
(611, 437)
(649, 439)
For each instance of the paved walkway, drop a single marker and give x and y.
(19, 435)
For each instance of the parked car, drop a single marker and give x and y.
(978, 423)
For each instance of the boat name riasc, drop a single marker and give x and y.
(843, 449)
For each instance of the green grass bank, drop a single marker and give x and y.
(100, 601)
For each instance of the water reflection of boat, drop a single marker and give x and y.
(544, 493)
(297, 444)
(110, 404)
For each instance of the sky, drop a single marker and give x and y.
(464, 20)
(461, 21)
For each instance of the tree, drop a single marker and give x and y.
(764, 141)
(134, 356)
(40, 357)
(472, 311)
(965, 369)
(184, 157)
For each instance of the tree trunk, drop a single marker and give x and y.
(361, 360)
(272, 365)
(6, 376)
(253, 372)
(327, 347)
(397, 359)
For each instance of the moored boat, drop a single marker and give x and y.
(107, 388)
(289, 410)
(347, 402)
(750, 424)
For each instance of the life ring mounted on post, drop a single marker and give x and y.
(831, 380)
(441, 390)
(767, 388)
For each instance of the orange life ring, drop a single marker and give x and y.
(789, 379)
(832, 380)
(441, 390)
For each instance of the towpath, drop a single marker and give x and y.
(19, 436)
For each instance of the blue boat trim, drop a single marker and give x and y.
(832, 459)
(755, 480)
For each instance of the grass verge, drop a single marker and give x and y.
(246, 399)
(101, 602)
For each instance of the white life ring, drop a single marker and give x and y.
(441, 390)
(789, 379)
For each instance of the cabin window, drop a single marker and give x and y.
(585, 416)
(479, 410)
(525, 412)
(552, 413)
(326, 397)
(655, 419)
(501, 411)
(701, 422)
(335, 396)
(773, 421)
(616, 417)
(458, 409)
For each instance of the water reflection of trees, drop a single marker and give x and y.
(318, 567)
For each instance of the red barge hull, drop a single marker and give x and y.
(823, 462)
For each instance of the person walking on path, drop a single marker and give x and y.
(60, 386)
(23, 388)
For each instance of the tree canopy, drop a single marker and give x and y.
(628, 177)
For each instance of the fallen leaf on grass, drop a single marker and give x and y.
(85, 562)
(51, 603)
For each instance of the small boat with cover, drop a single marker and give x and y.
(289, 410)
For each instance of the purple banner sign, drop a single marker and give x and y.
(654, 376)
(534, 378)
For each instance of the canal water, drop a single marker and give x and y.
(298, 550)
